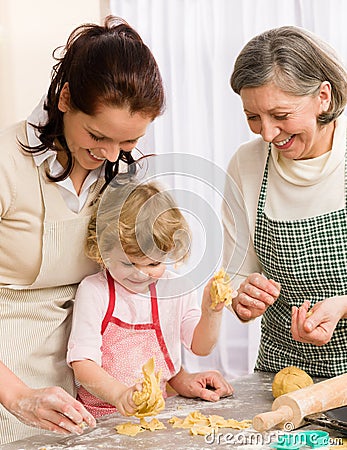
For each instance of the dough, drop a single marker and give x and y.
(197, 423)
(129, 429)
(221, 290)
(150, 400)
(153, 425)
(290, 379)
(132, 429)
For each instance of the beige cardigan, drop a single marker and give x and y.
(22, 214)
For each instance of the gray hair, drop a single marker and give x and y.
(296, 61)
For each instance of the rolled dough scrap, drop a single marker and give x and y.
(153, 425)
(290, 379)
(129, 429)
(150, 400)
(132, 429)
(221, 290)
(202, 430)
(198, 423)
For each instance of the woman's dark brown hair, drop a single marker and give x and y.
(105, 65)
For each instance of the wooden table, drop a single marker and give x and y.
(252, 395)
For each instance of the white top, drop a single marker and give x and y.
(74, 201)
(178, 316)
(296, 189)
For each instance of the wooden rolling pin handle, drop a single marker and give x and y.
(266, 421)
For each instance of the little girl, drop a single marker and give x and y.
(135, 308)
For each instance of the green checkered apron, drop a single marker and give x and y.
(309, 258)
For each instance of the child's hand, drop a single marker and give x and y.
(124, 401)
(207, 330)
(220, 291)
(208, 306)
(207, 300)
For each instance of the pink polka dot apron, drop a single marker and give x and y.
(126, 348)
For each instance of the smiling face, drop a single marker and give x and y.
(94, 138)
(134, 273)
(289, 122)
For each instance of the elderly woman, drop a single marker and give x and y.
(289, 186)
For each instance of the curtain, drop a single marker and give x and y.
(195, 43)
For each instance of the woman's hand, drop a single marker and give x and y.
(255, 294)
(50, 408)
(318, 327)
(210, 385)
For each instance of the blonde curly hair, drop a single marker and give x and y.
(143, 219)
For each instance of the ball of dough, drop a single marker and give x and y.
(290, 379)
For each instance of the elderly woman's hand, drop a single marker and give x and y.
(255, 294)
(50, 408)
(318, 326)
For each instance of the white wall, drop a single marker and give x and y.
(29, 31)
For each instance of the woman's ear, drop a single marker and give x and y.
(325, 96)
(64, 99)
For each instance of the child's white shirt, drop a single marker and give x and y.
(178, 315)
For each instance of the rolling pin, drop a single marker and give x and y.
(293, 407)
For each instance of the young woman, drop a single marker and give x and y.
(105, 90)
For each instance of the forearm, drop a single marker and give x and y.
(50, 408)
(97, 381)
(206, 332)
(10, 387)
(344, 307)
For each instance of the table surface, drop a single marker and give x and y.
(252, 395)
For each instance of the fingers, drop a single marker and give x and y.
(125, 404)
(79, 415)
(255, 295)
(58, 423)
(209, 395)
(260, 288)
(71, 412)
(86, 416)
(219, 387)
(276, 284)
(316, 328)
(52, 409)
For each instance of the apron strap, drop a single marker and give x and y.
(111, 303)
(158, 332)
(155, 318)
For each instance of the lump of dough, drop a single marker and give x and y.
(150, 400)
(221, 290)
(290, 379)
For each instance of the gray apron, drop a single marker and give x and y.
(309, 258)
(35, 321)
